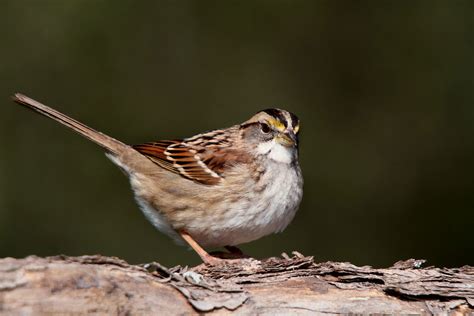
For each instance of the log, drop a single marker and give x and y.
(287, 285)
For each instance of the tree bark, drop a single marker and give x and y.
(287, 285)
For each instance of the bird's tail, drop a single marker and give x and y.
(108, 143)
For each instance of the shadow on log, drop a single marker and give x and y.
(287, 285)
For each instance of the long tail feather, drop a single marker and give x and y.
(110, 144)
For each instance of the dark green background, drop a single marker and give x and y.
(384, 90)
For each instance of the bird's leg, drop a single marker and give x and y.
(206, 258)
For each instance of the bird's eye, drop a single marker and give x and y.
(265, 128)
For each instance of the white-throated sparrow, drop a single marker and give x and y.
(220, 188)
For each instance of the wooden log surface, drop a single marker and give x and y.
(288, 285)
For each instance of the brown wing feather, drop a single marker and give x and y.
(202, 158)
(177, 157)
(155, 151)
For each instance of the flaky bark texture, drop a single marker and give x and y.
(296, 285)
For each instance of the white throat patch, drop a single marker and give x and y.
(276, 151)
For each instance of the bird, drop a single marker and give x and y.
(220, 188)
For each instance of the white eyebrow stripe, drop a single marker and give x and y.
(288, 119)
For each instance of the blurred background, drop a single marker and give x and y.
(384, 91)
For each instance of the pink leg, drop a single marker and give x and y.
(206, 258)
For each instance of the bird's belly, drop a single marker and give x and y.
(259, 214)
(225, 216)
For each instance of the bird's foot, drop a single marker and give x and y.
(233, 253)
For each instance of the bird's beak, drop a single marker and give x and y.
(287, 139)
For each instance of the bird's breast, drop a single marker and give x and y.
(264, 207)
